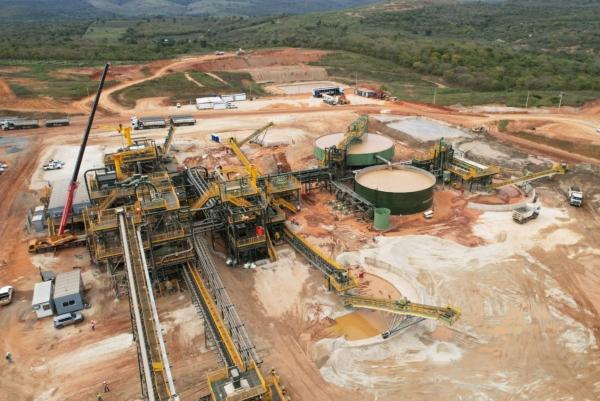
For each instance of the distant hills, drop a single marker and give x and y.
(39, 9)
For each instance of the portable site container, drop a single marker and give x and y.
(68, 292)
(42, 299)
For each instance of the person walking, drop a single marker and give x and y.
(93, 324)
(106, 388)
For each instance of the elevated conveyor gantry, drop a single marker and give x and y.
(556, 169)
(341, 281)
(447, 315)
(157, 380)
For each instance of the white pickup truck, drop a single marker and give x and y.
(575, 196)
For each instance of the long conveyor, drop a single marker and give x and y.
(157, 380)
(404, 307)
(340, 280)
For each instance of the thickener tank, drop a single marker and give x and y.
(402, 189)
(359, 154)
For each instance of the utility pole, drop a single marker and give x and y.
(527, 101)
(434, 94)
(355, 81)
(560, 100)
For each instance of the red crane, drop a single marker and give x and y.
(73, 185)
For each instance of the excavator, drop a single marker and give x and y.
(62, 238)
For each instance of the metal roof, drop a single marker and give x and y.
(211, 99)
(68, 283)
(42, 292)
(59, 195)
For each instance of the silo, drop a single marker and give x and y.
(402, 189)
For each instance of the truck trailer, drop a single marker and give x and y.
(20, 124)
(182, 120)
(58, 122)
(147, 122)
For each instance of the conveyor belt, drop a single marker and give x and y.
(223, 339)
(446, 315)
(157, 380)
(342, 282)
(337, 276)
(229, 314)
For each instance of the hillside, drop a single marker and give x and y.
(470, 52)
(38, 9)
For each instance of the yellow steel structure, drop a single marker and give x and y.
(257, 392)
(131, 156)
(216, 316)
(254, 134)
(127, 135)
(159, 378)
(271, 248)
(236, 147)
(355, 132)
(281, 202)
(168, 140)
(106, 202)
(213, 192)
(333, 270)
(556, 169)
(447, 315)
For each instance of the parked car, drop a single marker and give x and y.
(53, 165)
(67, 319)
(6, 294)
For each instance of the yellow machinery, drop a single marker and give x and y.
(225, 383)
(447, 315)
(236, 147)
(337, 276)
(341, 281)
(556, 169)
(355, 132)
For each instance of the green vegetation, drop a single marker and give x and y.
(463, 52)
(178, 88)
(37, 79)
(585, 149)
(502, 125)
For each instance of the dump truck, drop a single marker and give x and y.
(20, 124)
(148, 122)
(525, 213)
(575, 196)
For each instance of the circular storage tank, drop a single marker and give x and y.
(359, 154)
(402, 189)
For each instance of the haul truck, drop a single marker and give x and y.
(528, 212)
(575, 196)
(20, 124)
(147, 122)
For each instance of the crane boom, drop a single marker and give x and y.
(73, 185)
